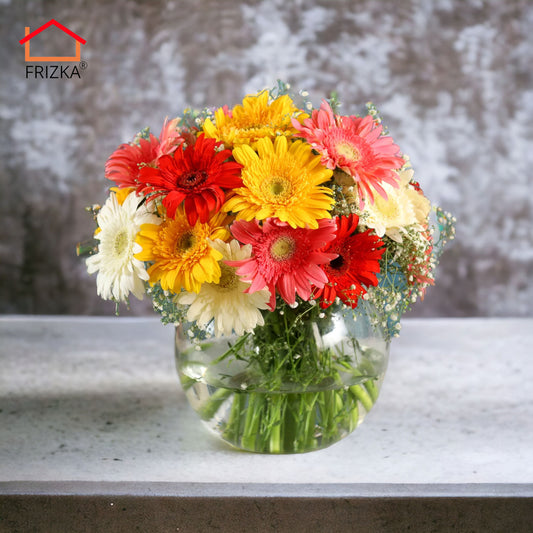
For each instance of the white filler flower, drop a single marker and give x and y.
(225, 301)
(119, 273)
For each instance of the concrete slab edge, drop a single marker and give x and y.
(263, 490)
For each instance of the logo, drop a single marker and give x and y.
(53, 71)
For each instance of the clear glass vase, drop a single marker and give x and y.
(301, 382)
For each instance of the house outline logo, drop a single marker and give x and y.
(28, 36)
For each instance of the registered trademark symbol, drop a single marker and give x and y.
(83, 65)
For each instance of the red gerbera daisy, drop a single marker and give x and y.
(194, 176)
(355, 266)
(124, 163)
(284, 258)
(356, 146)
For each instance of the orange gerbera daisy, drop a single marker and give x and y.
(180, 254)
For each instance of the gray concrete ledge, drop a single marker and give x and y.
(268, 490)
(96, 435)
(291, 508)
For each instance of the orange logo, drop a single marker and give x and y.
(29, 36)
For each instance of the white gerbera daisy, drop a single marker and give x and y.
(119, 273)
(389, 216)
(421, 205)
(226, 302)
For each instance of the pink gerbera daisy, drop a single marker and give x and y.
(284, 258)
(356, 146)
(123, 166)
(195, 176)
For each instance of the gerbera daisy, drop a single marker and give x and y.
(283, 181)
(195, 177)
(226, 302)
(181, 254)
(122, 193)
(171, 137)
(254, 119)
(356, 263)
(404, 207)
(284, 258)
(123, 165)
(355, 145)
(421, 205)
(119, 272)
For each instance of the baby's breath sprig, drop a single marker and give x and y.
(445, 229)
(281, 88)
(173, 313)
(143, 134)
(301, 98)
(164, 304)
(193, 119)
(334, 101)
(390, 298)
(305, 101)
(373, 111)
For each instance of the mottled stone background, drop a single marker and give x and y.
(453, 80)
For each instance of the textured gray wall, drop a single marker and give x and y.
(453, 80)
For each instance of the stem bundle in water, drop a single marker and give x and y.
(297, 384)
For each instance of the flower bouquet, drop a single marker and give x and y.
(285, 243)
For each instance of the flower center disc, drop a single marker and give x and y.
(278, 186)
(348, 151)
(191, 179)
(282, 248)
(185, 242)
(389, 210)
(337, 263)
(120, 244)
(228, 278)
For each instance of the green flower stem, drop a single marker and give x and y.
(209, 409)
(279, 422)
(233, 349)
(297, 395)
(187, 382)
(362, 395)
(372, 389)
(354, 416)
(231, 433)
(276, 409)
(326, 408)
(308, 410)
(254, 410)
(290, 422)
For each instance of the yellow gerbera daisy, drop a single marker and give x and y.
(254, 119)
(281, 180)
(181, 254)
